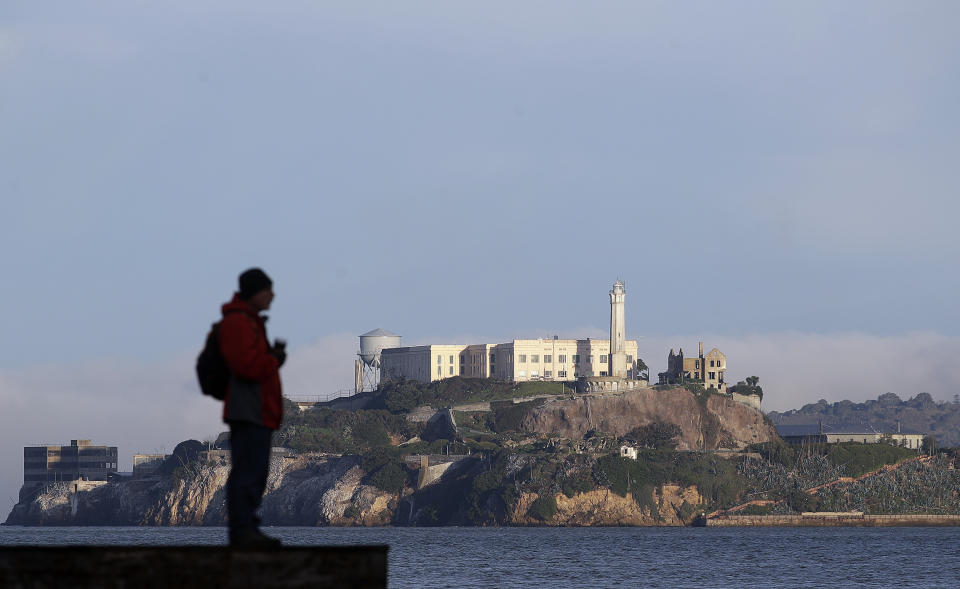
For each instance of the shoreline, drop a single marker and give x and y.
(815, 519)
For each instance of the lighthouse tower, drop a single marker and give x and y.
(618, 354)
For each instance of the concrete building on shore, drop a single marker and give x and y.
(80, 461)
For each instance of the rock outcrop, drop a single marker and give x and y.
(719, 422)
(603, 507)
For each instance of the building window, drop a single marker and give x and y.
(561, 374)
(534, 373)
(562, 358)
(439, 359)
(590, 358)
(493, 358)
(696, 363)
(603, 358)
(522, 358)
(451, 370)
(547, 358)
(696, 375)
(451, 359)
(711, 363)
(522, 373)
(629, 359)
(547, 373)
(713, 375)
(439, 370)
(603, 373)
(576, 358)
(535, 358)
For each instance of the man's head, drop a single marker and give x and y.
(256, 288)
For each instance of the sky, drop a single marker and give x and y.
(777, 180)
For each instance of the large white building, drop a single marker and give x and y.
(517, 360)
(521, 359)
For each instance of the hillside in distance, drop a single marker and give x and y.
(920, 414)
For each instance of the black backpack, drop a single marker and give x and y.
(212, 371)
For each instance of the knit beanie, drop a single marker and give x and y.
(253, 281)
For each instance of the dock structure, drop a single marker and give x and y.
(189, 567)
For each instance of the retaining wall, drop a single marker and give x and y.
(832, 519)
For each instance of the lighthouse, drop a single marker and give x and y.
(618, 354)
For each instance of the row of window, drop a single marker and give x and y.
(713, 363)
(710, 375)
(562, 359)
(535, 359)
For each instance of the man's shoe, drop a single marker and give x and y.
(252, 538)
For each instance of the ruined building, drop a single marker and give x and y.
(709, 370)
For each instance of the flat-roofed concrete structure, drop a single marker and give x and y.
(81, 460)
(147, 464)
(517, 360)
(816, 433)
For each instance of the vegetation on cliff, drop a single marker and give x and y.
(873, 478)
(404, 395)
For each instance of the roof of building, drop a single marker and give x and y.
(812, 429)
(379, 331)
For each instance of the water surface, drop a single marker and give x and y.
(605, 557)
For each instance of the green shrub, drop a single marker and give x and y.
(859, 459)
(756, 510)
(390, 478)
(655, 435)
(777, 452)
(580, 484)
(403, 395)
(348, 432)
(543, 508)
(507, 416)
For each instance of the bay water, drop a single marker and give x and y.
(602, 557)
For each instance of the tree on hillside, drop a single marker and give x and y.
(656, 435)
(748, 387)
(642, 370)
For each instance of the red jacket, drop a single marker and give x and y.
(254, 394)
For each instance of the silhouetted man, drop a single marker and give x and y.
(253, 407)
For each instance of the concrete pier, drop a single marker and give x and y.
(189, 567)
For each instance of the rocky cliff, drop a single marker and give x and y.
(605, 508)
(493, 479)
(306, 490)
(708, 422)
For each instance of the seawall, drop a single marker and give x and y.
(830, 519)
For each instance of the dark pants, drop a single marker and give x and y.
(250, 458)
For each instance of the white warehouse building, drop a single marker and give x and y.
(521, 359)
(517, 360)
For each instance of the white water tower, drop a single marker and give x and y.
(367, 366)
